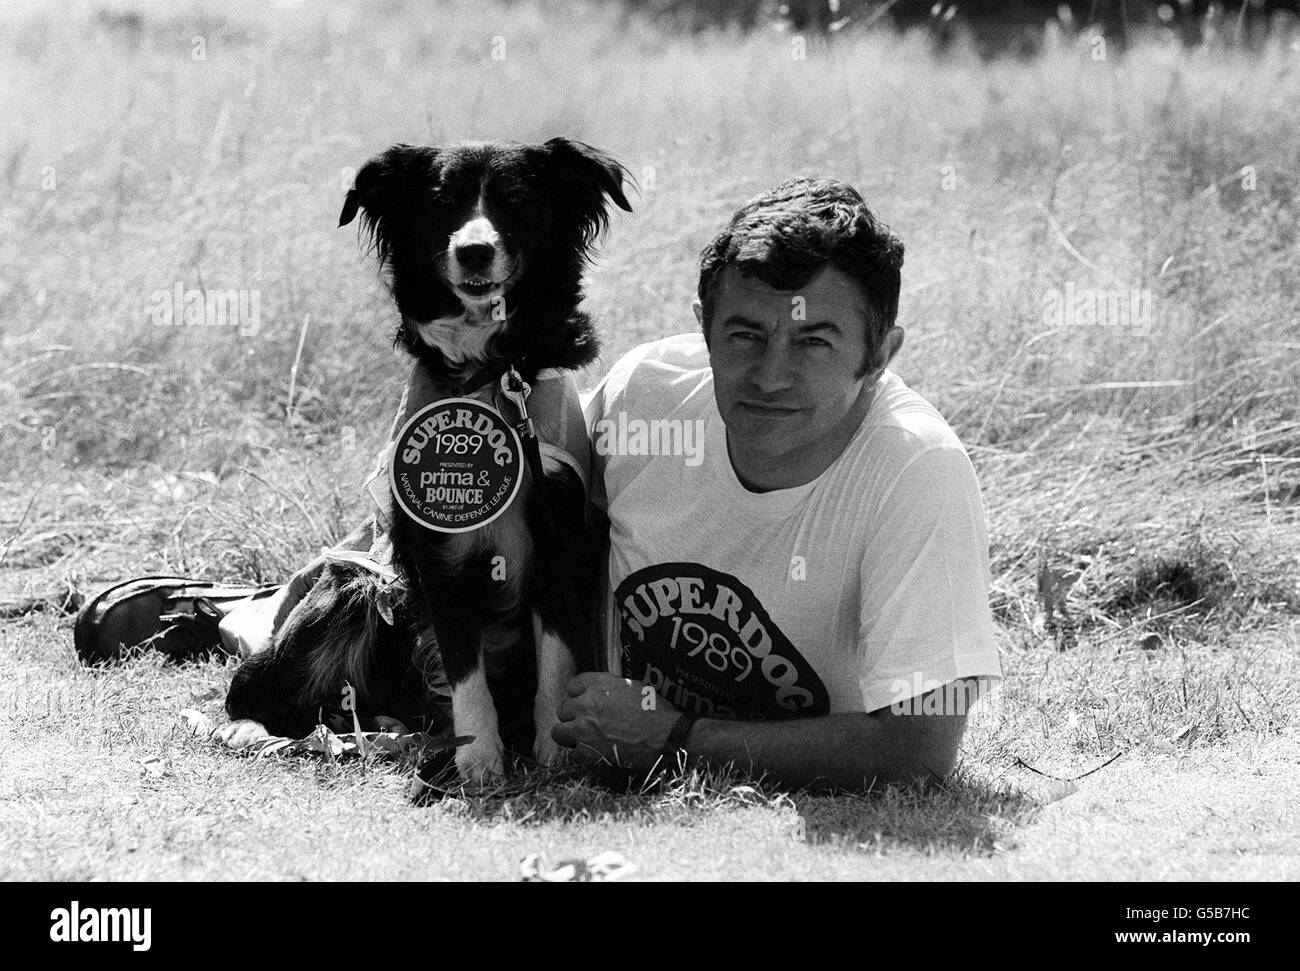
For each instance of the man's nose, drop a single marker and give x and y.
(774, 371)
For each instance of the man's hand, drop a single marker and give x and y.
(604, 717)
(607, 717)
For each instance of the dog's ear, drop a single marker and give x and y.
(350, 203)
(361, 195)
(380, 188)
(589, 176)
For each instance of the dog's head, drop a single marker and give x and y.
(474, 225)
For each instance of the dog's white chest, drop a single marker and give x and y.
(462, 340)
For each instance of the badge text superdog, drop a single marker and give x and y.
(457, 465)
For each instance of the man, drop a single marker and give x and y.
(782, 603)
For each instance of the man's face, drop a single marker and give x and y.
(786, 369)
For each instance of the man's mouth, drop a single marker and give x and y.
(770, 410)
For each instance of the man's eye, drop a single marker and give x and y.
(814, 342)
(744, 335)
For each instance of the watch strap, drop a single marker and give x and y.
(676, 742)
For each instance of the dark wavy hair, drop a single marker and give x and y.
(785, 236)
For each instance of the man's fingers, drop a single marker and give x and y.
(566, 710)
(574, 750)
(562, 733)
(578, 684)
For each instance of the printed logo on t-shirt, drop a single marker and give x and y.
(702, 639)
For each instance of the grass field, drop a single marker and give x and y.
(1142, 483)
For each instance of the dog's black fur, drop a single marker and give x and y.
(463, 232)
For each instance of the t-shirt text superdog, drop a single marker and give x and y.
(702, 639)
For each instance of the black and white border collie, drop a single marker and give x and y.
(483, 248)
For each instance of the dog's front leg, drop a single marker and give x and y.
(555, 667)
(474, 713)
(448, 576)
(472, 709)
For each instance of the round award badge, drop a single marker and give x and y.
(456, 465)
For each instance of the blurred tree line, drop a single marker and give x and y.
(998, 24)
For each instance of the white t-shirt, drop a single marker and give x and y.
(860, 589)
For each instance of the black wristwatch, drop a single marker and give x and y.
(675, 746)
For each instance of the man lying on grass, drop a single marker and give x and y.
(805, 593)
(799, 589)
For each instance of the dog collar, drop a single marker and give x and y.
(487, 376)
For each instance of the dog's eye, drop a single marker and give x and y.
(516, 195)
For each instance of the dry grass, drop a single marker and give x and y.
(1144, 487)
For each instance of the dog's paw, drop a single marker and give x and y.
(243, 733)
(481, 760)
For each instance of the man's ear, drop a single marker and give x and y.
(584, 177)
(891, 345)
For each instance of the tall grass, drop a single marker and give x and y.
(1005, 181)
(1166, 169)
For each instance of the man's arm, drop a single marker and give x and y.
(605, 717)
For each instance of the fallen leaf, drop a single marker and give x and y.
(155, 767)
(270, 745)
(322, 741)
(603, 867)
(389, 743)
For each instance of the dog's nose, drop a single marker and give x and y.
(475, 257)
